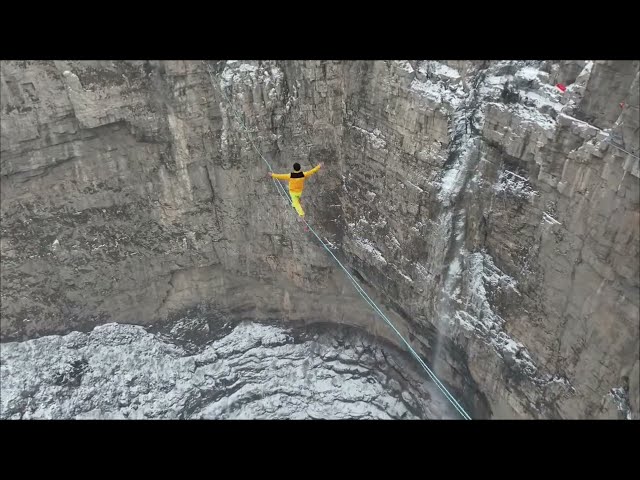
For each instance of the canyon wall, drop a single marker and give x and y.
(495, 218)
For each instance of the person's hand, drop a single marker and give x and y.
(268, 175)
(321, 164)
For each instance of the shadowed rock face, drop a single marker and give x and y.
(491, 215)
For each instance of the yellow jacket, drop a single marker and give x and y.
(295, 179)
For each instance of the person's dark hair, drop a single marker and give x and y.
(296, 167)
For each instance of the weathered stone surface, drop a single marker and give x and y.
(610, 83)
(489, 212)
(245, 371)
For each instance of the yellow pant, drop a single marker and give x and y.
(295, 199)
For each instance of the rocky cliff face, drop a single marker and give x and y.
(192, 371)
(495, 217)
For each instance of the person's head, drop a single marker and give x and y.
(296, 167)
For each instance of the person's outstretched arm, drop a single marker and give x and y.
(308, 173)
(280, 176)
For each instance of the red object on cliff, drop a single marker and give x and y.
(561, 87)
(621, 104)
